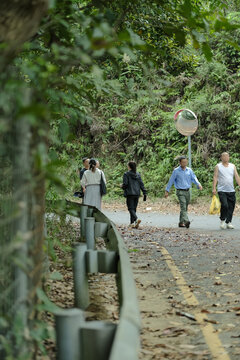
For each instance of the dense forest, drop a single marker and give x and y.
(108, 77)
(102, 79)
(135, 90)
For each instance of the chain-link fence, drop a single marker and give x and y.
(21, 228)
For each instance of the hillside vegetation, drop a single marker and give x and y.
(100, 78)
(136, 98)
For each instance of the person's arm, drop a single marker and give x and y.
(142, 187)
(195, 180)
(237, 177)
(81, 172)
(215, 180)
(170, 183)
(125, 181)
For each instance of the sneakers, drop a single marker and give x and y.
(223, 225)
(184, 225)
(181, 225)
(137, 223)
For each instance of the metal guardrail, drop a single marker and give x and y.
(78, 339)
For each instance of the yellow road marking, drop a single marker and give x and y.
(212, 339)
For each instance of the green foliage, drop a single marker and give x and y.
(142, 127)
(106, 78)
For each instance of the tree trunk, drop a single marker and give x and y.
(19, 21)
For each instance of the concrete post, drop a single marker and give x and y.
(83, 215)
(68, 322)
(80, 276)
(101, 229)
(107, 261)
(89, 232)
(92, 261)
(96, 340)
(90, 212)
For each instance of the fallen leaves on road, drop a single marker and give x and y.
(169, 330)
(204, 261)
(189, 316)
(173, 331)
(218, 283)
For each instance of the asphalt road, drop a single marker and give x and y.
(188, 289)
(188, 285)
(208, 223)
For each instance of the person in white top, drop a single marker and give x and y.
(90, 182)
(224, 174)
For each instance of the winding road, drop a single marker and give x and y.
(188, 286)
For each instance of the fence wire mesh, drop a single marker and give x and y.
(21, 232)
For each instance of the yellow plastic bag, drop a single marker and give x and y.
(215, 206)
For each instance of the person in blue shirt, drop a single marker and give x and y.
(182, 178)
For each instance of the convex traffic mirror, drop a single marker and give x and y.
(186, 122)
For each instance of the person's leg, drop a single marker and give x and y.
(128, 201)
(231, 199)
(181, 203)
(183, 197)
(135, 204)
(187, 196)
(137, 221)
(224, 205)
(131, 208)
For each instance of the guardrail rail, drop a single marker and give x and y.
(78, 339)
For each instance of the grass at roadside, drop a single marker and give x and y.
(199, 205)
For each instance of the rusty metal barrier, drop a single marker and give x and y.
(78, 339)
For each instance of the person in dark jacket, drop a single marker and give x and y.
(80, 173)
(85, 161)
(132, 186)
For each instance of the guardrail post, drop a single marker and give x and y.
(100, 229)
(92, 261)
(89, 232)
(96, 338)
(107, 261)
(80, 276)
(68, 322)
(100, 340)
(83, 215)
(90, 212)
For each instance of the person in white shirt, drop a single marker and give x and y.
(224, 174)
(90, 182)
